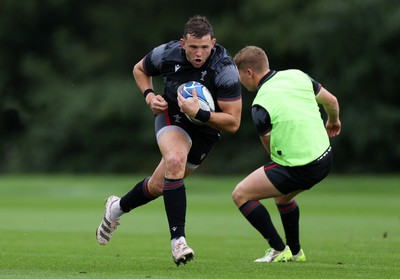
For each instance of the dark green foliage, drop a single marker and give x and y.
(68, 101)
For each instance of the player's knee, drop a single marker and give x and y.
(175, 163)
(238, 196)
(283, 200)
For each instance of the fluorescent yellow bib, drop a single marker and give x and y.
(298, 135)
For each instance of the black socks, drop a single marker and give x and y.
(259, 217)
(290, 216)
(174, 193)
(175, 205)
(138, 196)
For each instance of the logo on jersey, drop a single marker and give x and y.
(203, 74)
(177, 67)
(177, 118)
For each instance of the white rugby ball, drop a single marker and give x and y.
(204, 96)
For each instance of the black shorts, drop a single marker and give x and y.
(202, 137)
(290, 179)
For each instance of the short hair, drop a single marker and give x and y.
(198, 27)
(252, 57)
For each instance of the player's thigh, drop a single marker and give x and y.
(174, 140)
(255, 186)
(172, 137)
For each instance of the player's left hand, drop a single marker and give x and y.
(190, 106)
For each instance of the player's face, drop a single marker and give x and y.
(197, 49)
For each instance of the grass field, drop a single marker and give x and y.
(350, 228)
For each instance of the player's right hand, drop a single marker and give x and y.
(158, 104)
(333, 128)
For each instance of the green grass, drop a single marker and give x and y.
(350, 228)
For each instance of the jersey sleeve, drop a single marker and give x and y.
(153, 61)
(228, 84)
(316, 85)
(261, 120)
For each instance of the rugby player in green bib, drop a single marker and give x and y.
(286, 114)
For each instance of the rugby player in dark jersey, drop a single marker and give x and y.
(183, 144)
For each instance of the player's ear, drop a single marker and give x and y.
(214, 41)
(249, 72)
(182, 43)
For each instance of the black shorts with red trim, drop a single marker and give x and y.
(290, 179)
(203, 137)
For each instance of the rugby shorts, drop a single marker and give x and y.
(202, 137)
(290, 179)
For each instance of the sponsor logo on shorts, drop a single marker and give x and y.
(325, 154)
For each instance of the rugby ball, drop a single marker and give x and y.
(203, 95)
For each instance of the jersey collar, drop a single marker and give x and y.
(269, 75)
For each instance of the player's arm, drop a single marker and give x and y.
(331, 107)
(229, 118)
(266, 141)
(145, 85)
(262, 121)
(229, 100)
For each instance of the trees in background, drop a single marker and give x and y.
(68, 101)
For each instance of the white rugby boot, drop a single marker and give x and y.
(181, 252)
(107, 225)
(273, 256)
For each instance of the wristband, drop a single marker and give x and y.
(147, 92)
(203, 115)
